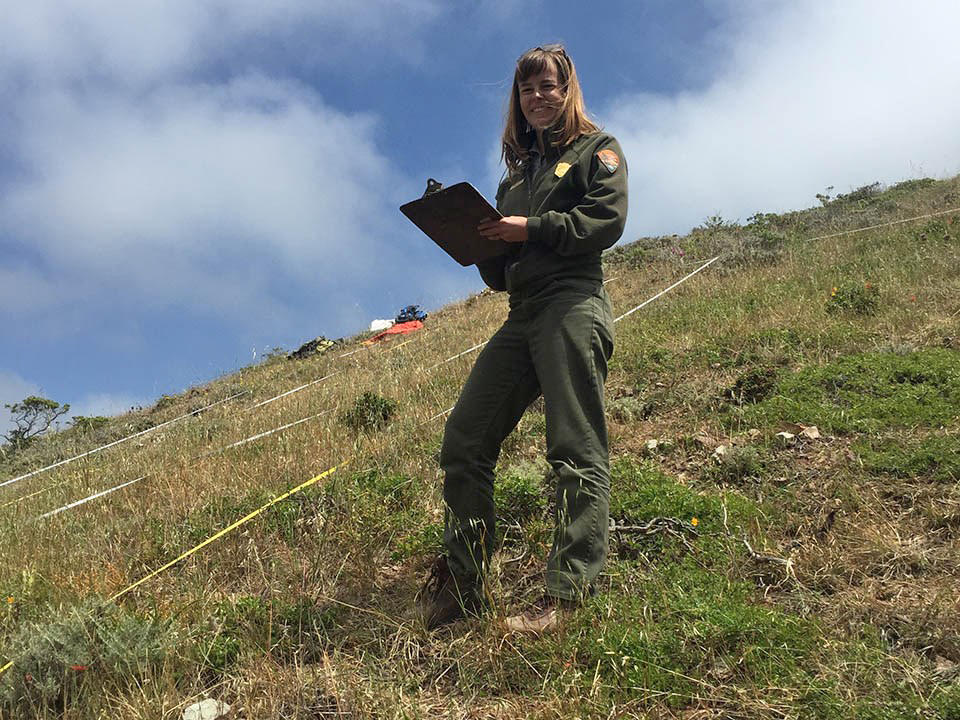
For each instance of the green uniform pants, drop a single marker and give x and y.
(556, 340)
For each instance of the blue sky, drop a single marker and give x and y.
(186, 182)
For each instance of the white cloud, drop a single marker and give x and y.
(195, 196)
(141, 42)
(145, 177)
(813, 94)
(104, 404)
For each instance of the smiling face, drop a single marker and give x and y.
(545, 95)
(541, 98)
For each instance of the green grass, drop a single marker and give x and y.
(934, 457)
(291, 630)
(643, 491)
(868, 392)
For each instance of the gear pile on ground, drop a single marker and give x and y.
(410, 313)
(317, 346)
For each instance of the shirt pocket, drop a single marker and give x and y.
(560, 188)
(515, 200)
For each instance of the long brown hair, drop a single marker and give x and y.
(573, 120)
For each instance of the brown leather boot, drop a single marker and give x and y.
(545, 616)
(446, 598)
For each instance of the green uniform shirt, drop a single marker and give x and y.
(576, 205)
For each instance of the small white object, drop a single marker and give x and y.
(377, 325)
(811, 432)
(208, 709)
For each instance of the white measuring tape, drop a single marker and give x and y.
(117, 442)
(883, 225)
(451, 359)
(252, 438)
(87, 499)
(295, 390)
(665, 291)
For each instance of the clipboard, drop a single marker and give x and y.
(449, 216)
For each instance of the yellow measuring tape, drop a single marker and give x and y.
(230, 528)
(33, 494)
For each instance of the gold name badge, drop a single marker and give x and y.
(561, 169)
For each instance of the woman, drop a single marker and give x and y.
(564, 200)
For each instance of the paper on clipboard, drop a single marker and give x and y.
(450, 217)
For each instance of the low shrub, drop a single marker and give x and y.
(68, 653)
(854, 298)
(370, 412)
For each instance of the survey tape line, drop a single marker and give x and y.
(227, 530)
(87, 499)
(121, 440)
(369, 345)
(96, 495)
(666, 290)
(258, 436)
(886, 224)
(399, 345)
(616, 277)
(451, 359)
(325, 377)
(33, 494)
(440, 415)
(295, 390)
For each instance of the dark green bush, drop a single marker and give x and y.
(854, 298)
(91, 424)
(370, 411)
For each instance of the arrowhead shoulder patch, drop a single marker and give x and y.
(609, 159)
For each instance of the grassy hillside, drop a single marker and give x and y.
(764, 568)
